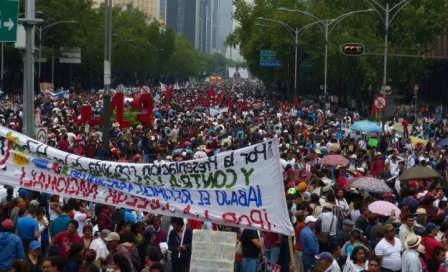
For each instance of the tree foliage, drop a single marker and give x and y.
(412, 31)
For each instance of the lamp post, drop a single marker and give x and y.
(387, 20)
(41, 31)
(107, 71)
(328, 25)
(296, 33)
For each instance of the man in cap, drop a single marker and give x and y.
(12, 247)
(410, 259)
(100, 247)
(114, 246)
(388, 250)
(344, 234)
(308, 242)
(429, 241)
(325, 261)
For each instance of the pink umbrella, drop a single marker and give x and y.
(384, 208)
(333, 160)
(367, 184)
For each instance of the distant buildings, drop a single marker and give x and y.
(150, 7)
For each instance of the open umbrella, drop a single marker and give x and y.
(384, 208)
(366, 126)
(334, 160)
(418, 173)
(442, 143)
(367, 184)
(199, 108)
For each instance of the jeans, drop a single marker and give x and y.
(272, 255)
(308, 261)
(250, 265)
(298, 260)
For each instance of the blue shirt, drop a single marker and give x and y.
(11, 249)
(308, 241)
(59, 224)
(26, 226)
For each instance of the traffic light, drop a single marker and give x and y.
(353, 49)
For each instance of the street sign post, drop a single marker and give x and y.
(380, 102)
(9, 11)
(268, 58)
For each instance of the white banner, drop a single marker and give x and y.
(242, 188)
(217, 111)
(213, 251)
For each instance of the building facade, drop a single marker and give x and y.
(149, 7)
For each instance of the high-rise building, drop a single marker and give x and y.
(183, 17)
(225, 25)
(209, 26)
(162, 9)
(147, 6)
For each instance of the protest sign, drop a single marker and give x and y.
(213, 251)
(217, 111)
(242, 188)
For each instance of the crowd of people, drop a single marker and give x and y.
(335, 230)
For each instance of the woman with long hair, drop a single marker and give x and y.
(43, 223)
(136, 228)
(87, 237)
(357, 260)
(75, 257)
(121, 264)
(34, 258)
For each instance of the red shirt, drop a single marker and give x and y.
(63, 145)
(341, 182)
(404, 124)
(299, 227)
(271, 240)
(65, 241)
(430, 243)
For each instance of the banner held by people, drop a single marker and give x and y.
(242, 188)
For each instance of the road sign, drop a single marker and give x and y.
(9, 11)
(144, 89)
(416, 88)
(41, 134)
(380, 102)
(268, 58)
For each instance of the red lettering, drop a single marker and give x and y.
(93, 189)
(144, 204)
(244, 217)
(229, 217)
(132, 203)
(112, 195)
(255, 217)
(120, 198)
(206, 214)
(22, 176)
(187, 209)
(87, 116)
(117, 103)
(266, 218)
(154, 204)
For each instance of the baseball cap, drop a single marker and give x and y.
(34, 244)
(34, 203)
(7, 224)
(325, 256)
(113, 236)
(348, 222)
(104, 233)
(310, 218)
(431, 226)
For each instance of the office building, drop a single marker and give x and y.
(150, 7)
(183, 17)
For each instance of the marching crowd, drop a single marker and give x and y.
(336, 226)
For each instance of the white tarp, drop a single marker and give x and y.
(242, 188)
(217, 111)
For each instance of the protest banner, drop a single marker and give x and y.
(46, 87)
(217, 111)
(213, 251)
(242, 188)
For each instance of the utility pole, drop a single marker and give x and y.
(107, 71)
(28, 82)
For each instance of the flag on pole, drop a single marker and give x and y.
(168, 95)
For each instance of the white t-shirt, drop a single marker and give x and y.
(81, 218)
(391, 253)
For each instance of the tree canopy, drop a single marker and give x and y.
(413, 30)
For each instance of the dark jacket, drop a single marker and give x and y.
(105, 220)
(174, 243)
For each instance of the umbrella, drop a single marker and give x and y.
(442, 143)
(334, 160)
(199, 108)
(418, 173)
(415, 141)
(384, 208)
(366, 126)
(368, 184)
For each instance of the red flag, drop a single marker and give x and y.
(168, 95)
(296, 102)
(283, 107)
(205, 103)
(219, 97)
(210, 92)
(196, 103)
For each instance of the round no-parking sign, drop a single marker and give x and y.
(380, 102)
(41, 134)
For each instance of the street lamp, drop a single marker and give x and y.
(329, 25)
(296, 34)
(41, 31)
(387, 21)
